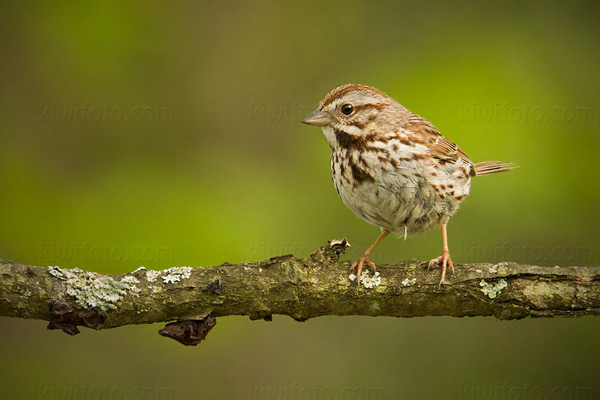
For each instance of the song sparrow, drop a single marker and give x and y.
(393, 168)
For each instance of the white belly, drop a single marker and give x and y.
(405, 197)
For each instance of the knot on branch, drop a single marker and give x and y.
(330, 254)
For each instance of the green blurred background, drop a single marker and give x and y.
(163, 134)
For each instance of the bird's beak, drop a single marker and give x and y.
(317, 118)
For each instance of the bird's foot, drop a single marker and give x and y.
(359, 265)
(446, 261)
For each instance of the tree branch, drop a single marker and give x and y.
(302, 288)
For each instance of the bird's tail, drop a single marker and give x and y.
(493, 167)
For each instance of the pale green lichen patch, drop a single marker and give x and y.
(366, 280)
(93, 290)
(500, 269)
(409, 282)
(169, 275)
(492, 290)
(151, 275)
(542, 294)
(176, 274)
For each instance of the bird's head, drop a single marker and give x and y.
(356, 110)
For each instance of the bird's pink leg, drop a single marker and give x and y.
(366, 258)
(444, 258)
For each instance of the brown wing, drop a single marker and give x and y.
(440, 147)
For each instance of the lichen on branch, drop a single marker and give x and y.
(301, 288)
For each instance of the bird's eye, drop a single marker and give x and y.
(347, 109)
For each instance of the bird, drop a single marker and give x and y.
(393, 168)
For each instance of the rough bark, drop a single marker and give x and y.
(301, 288)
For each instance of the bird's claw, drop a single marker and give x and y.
(446, 262)
(359, 266)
